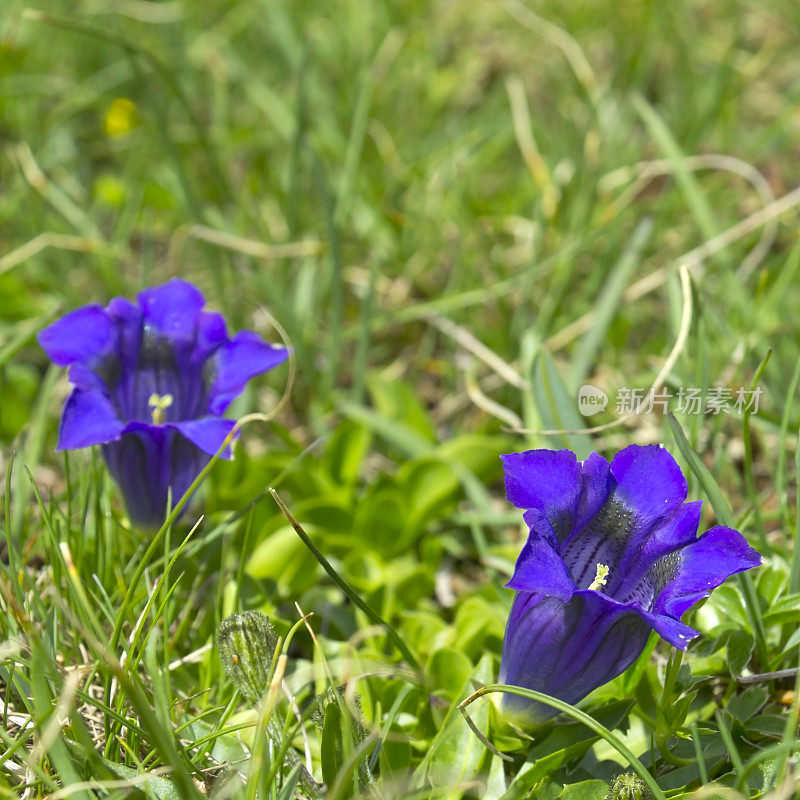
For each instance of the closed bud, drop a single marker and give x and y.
(321, 703)
(246, 645)
(629, 787)
(332, 695)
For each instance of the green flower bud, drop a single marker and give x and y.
(332, 695)
(246, 645)
(629, 786)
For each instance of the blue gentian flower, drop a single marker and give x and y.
(612, 554)
(150, 384)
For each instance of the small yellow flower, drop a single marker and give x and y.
(110, 189)
(121, 117)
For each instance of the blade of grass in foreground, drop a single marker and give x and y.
(348, 590)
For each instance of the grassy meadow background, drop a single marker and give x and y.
(458, 213)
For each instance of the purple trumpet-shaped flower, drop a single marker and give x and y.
(612, 554)
(150, 384)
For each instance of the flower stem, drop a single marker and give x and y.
(664, 730)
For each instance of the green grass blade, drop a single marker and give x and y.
(581, 716)
(608, 303)
(346, 589)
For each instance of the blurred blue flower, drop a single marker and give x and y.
(612, 553)
(150, 384)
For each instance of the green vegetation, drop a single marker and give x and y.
(457, 214)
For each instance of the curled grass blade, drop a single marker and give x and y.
(577, 714)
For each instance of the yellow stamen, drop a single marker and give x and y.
(600, 577)
(159, 403)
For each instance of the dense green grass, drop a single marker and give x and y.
(459, 213)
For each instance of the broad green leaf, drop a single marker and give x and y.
(787, 609)
(396, 400)
(571, 741)
(745, 705)
(395, 760)
(789, 651)
(283, 558)
(345, 452)
(526, 781)
(496, 781)
(771, 582)
(430, 486)
(740, 650)
(456, 752)
(425, 631)
(585, 790)
(676, 713)
(379, 518)
(772, 725)
(476, 620)
(728, 600)
(449, 670)
(160, 787)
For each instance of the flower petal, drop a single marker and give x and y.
(81, 336)
(173, 308)
(207, 433)
(83, 377)
(648, 487)
(137, 464)
(702, 566)
(609, 638)
(244, 356)
(539, 567)
(636, 577)
(649, 481)
(671, 630)
(150, 463)
(212, 333)
(566, 649)
(596, 484)
(187, 461)
(127, 318)
(547, 480)
(89, 418)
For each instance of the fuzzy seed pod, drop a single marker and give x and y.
(246, 645)
(332, 695)
(629, 786)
